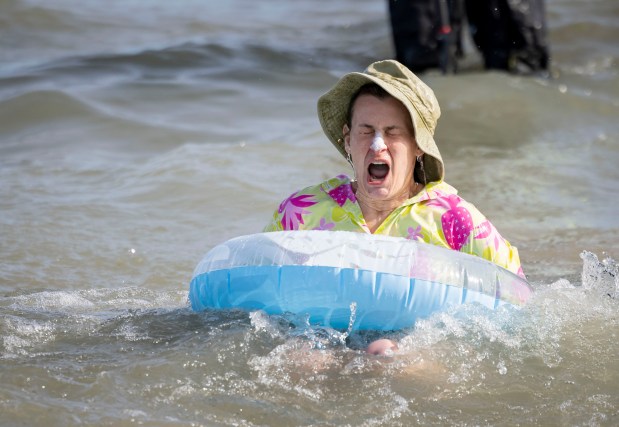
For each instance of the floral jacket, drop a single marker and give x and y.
(436, 215)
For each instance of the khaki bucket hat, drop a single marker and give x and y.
(403, 85)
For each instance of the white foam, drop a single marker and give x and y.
(600, 276)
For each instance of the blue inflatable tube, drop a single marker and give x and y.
(348, 280)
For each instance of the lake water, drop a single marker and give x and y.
(135, 136)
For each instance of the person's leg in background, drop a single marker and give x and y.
(510, 34)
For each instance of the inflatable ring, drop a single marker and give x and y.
(348, 280)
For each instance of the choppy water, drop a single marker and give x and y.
(134, 136)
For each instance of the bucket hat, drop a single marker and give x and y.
(404, 86)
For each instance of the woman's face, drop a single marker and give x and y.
(382, 145)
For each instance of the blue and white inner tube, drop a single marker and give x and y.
(347, 280)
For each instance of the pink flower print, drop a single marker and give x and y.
(292, 210)
(440, 194)
(414, 233)
(342, 193)
(457, 222)
(324, 225)
(486, 230)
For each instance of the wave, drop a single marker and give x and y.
(41, 108)
(61, 117)
(187, 60)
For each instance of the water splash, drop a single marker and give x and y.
(353, 316)
(601, 276)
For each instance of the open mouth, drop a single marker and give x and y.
(378, 171)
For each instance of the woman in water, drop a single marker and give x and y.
(383, 120)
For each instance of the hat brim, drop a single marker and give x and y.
(333, 108)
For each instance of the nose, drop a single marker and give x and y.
(378, 143)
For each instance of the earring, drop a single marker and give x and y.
(423, 171)
(349, 159)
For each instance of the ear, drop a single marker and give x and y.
(346, 133)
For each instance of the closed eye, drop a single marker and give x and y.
(366, 130)
(394, 131)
